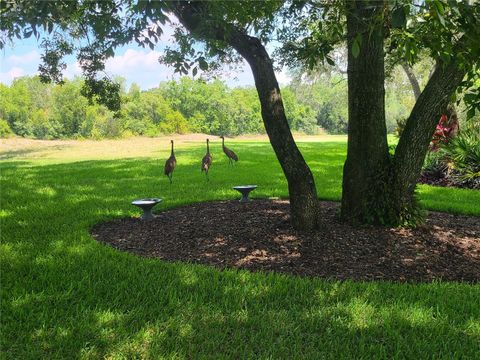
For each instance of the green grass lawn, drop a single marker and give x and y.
(63, 295)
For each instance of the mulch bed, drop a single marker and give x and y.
(449, 181)
(258, 236)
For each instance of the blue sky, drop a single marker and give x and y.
(134, 63)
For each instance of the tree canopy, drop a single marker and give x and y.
(446, 31)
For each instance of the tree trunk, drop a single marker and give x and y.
(377, 189)
(367, 164)
(413, 80)
(301, 185)
(304, 204)
(413, 144)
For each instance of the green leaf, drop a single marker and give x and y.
(330, 61)
(469, 97)
(355, 48)
(202, 64)
(194, 71)
(439, 6)
(399, 18)
(442, 20)
(358, 38)
(453, 98)
(470, 113)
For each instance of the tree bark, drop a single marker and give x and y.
(414, 142)
(304, 204)
(379, 189)
(413, 80)
(367, 163)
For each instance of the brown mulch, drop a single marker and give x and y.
(449, 181)
(258, 236)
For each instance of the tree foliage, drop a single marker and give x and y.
(445, 31)
(31, 108)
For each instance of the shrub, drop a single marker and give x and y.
(457, 162)
(330, 119)
(444, 132)
(462, 154)
(5, 130)
(434, 166)
(43, 126)
(400, 126)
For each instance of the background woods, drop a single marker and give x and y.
(314, 103)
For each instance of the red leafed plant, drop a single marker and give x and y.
(446, 129)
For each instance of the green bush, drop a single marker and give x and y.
(43, 126)
(456, 163)
(435, 165)
(5, 131)
(331, 119)
(462, 153)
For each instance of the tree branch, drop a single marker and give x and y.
(432, 102)
(413, 80)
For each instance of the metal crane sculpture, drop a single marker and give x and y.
(207, 161)
(170, 164)
(230, 154)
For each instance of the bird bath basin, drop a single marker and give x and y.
(245, 190)
(146, 205)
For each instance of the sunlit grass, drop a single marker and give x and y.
(63, 295)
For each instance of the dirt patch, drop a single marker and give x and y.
(258, 236)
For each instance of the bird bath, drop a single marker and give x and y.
(245, 190)
(146, 205)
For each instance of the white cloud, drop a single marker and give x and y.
(140, 66)
(283, 78)
(138, 60)
(243, 76)
(8, 76)
(14, 65)
(24, 59)
(133, 63)
(72, 70)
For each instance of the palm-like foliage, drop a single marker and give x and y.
(457, 162)
(462, 153)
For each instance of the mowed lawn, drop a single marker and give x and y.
(63, 295)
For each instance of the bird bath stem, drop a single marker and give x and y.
(146, 205)
(245, 190)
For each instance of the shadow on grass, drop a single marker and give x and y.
(101, 303)
(12, 154)
(64, 295)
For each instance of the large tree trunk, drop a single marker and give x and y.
(367, 164)
(304, 204)
(377, 189)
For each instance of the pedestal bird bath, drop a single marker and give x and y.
(146, 205)
(245, 190)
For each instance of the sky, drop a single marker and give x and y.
(135, 64)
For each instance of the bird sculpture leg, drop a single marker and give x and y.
(170, 178)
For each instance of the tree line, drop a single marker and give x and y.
(31, 108)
